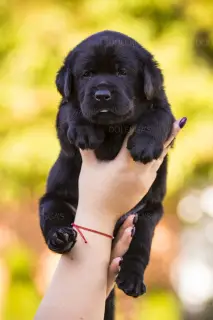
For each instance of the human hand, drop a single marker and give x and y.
(115, 187)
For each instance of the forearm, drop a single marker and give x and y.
(78, 288)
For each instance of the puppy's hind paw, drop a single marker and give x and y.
(131, 284)
(61, 239)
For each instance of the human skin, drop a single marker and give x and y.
(85, 275)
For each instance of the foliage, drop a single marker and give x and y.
(22, 297)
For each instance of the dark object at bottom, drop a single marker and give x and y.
(110, 306)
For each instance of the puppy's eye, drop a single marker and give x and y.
(88, 74)
(121, 72)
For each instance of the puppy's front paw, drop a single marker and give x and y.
(61, 239)
(131, 284)
(144, 147)
(85, 136)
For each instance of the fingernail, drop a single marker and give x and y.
(182, 122)
(135, 219)
(133, 232)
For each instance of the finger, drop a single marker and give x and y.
(175, 131)
(122, 244)
(88, 156)
(127, 223)
(124, 153)
(164, 153)
(157, 163)
(113, 271)
(177, 126)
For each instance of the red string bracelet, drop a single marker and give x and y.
(78, 228)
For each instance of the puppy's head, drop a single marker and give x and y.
(110, 77)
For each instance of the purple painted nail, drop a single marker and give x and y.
(182, 122)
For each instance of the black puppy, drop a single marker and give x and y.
(108, 83)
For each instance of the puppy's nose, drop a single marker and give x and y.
(101, 95)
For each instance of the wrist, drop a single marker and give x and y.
(97, 245)
(95, 219)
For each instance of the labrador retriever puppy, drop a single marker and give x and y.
(108, 83)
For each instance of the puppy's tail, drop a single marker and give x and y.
(110, 307)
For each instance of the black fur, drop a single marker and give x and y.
(108, 71)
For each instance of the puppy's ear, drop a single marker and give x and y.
(63, 82)
(153, 79)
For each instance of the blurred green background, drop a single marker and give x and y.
(35, 36)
